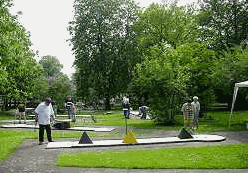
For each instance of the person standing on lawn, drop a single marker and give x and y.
(73, 112)
(21, 112)
(197, 110)
(126, 107)
(67, 106)
(188, 110)
(44, 113)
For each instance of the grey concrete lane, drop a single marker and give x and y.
(31, 157)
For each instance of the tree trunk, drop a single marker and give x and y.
(6, 104)
(107, 103)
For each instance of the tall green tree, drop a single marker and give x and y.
(19, 68)
(199, 62)
(165, 24)
(224, 24)
(55, 84)
(170, 76)
(60, 87)
(164, 80)
(104, 45)
(40, 91)
(51, 65)
(231, 67)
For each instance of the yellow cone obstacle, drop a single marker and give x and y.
(129, 138)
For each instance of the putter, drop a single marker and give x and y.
(35, 126)
(35, 123)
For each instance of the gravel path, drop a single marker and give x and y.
(31, 157)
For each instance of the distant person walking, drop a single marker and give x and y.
(67, 106)
(188, 110)
(197, 110)
(21, 112)
(73, 112)
(44, 113)
(126, 107)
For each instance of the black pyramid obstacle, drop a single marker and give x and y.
(85, 139)
(184, 134)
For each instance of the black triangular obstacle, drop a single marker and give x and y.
(85, 139)
(184, 134)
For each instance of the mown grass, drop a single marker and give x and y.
(214, 121)
(10, 140)
(219, 121)
(233, 156)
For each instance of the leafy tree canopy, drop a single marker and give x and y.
(18, 69)
(170, 75)
(51, 65)
(104, 45)
(224, 24)
(165, 24)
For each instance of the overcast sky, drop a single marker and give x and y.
(47, 21)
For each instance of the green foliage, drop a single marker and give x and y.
(231, 67)
(20, 74)
(187, 49)
(18, 69)
(58, 88)
(51, 65)
(40, 88)
(168, 76)
(224, 23)
(199, 62)
(53, 83)
(104, 46)
(160, 24)
(164, 79)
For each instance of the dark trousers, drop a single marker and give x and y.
(126, 114)
(48, 131)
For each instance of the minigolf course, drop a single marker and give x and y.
(130, 139)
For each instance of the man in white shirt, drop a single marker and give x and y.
(44, 112)
(197, 110)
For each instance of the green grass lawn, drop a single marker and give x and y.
(10, 140)
(233, 156)
(215, 121)
(219, 121)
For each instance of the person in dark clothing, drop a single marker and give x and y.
(68, 106)
(126, 107)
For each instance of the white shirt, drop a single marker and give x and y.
(197, 105)
(44, 113)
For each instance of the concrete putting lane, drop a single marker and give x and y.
(105, 143)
